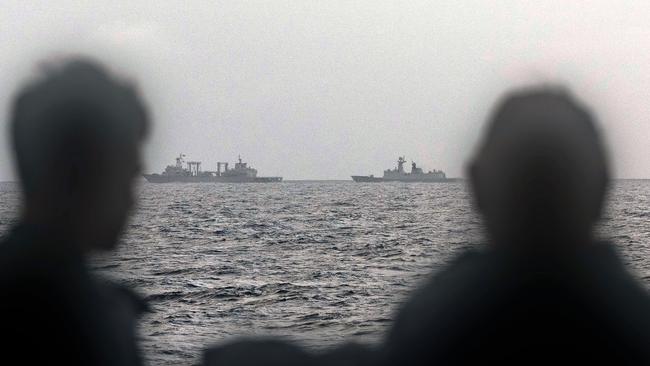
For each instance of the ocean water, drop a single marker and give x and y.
(316, 262)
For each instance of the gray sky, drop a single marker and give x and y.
(327, 89)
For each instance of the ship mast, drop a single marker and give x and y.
(179, 161)
(400, 164)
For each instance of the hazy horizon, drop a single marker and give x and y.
(327, 90)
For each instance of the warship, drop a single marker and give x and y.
(400, 175)
(192, 173)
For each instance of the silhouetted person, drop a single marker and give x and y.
(544, 291)
(76, 135)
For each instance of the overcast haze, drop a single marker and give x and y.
(323, 90)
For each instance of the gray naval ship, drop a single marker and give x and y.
(242, 173)
(399, 175)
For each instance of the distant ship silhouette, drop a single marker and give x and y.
(242, 173)
(400, 175)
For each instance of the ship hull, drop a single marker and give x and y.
(159, 178)
(408, 179)
(366, 179)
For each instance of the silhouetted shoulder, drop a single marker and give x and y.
(436, 311)
(583, 305)
(254, 352)
(350, 354)
(49, 294)
(269, 352)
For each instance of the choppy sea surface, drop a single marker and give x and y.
(316, 262)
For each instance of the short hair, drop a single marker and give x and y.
(73, 109)
(546, 153)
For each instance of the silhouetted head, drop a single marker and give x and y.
(540, 175)
(76, 135)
